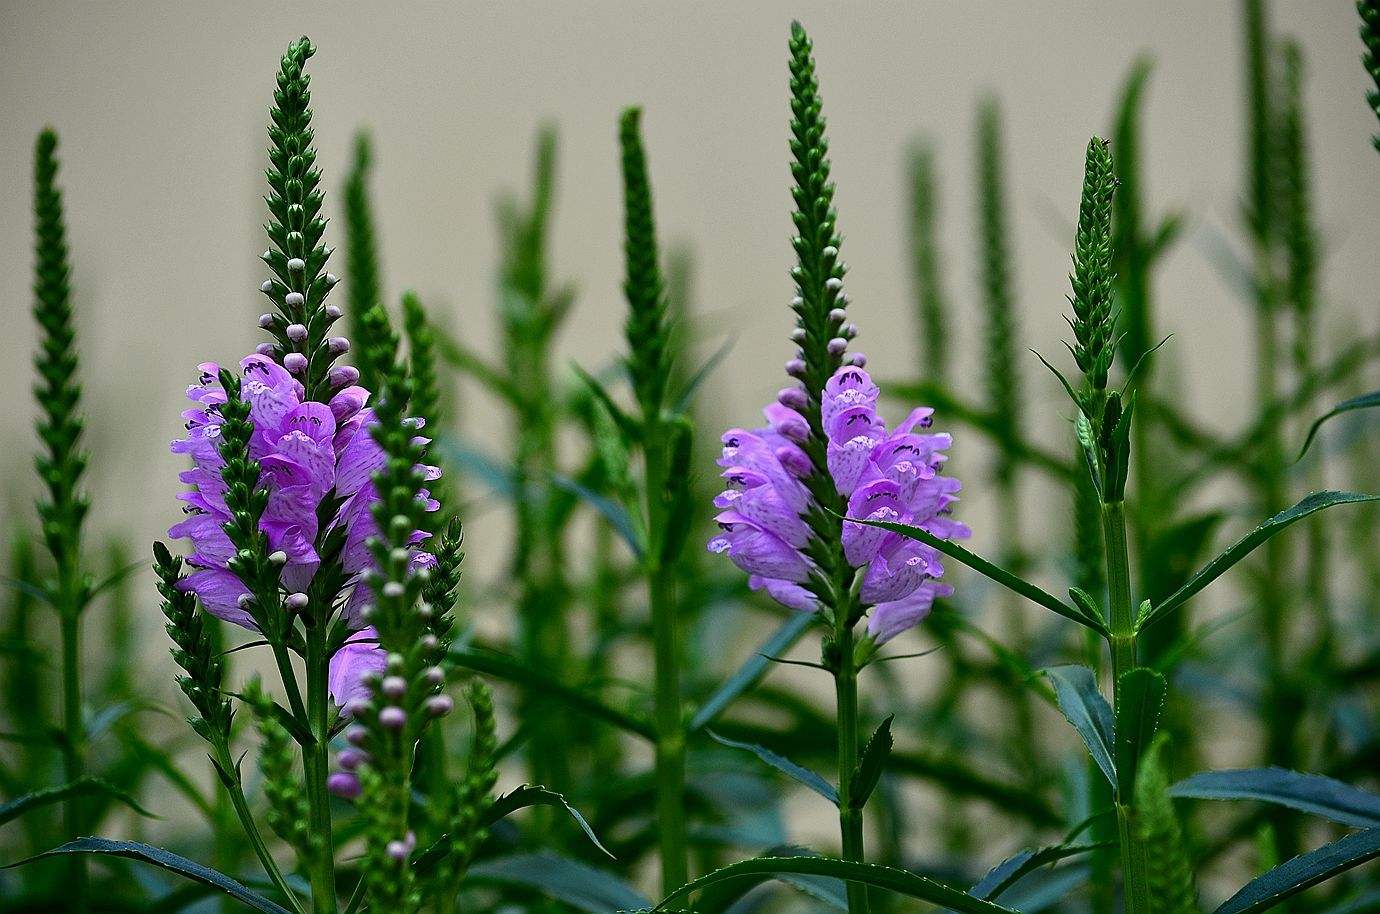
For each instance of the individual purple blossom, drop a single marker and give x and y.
(307, 452)
(352, 666)
(884, 475)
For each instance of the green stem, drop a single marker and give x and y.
(670, 727)
(231, 781)
(73, 748)
(316, 765)
(846, 694)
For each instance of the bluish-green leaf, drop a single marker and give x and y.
(1309, 793)
(532, 795)
(1303, 872)
(1140, 701)
(577, 884)
(799, 773)
(18, 806)
(752, 670)
(157, 856)
(1364, 401)
(1243, 547)
(1015, 868)
(1075, 689)
(902, 882)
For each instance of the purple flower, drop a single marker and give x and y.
(358, 659)
(308, 452)
(885, 475)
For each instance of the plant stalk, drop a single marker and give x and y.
(316, 766)
(74, 737)
(846, 693)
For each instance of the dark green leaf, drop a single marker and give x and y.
(1303, 872)
(530, 795)
(801, 774)
(17, 807)
(1140, 701)
(1087, 605)
(167, 860)
(892, 879)
(1310, 793)
(1364, 401)
(1316, 501)
(1075, 689)
(577, 884)
(871, 765)
(510, 669)
(986, 568)
(1010, 871)
(752, 670)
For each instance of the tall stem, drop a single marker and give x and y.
(74, 741)
(846, 694)
(315, 766)
(670, 730)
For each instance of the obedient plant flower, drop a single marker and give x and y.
(312, 456)
(884, 475)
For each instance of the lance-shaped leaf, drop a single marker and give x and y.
(871, 765)
(752, 669)
(799, 773)
(618, 517)
(1303, 872)
(1243, 547)
(1075, 689)
(532, 795)
(1015, 868)
(577, 884)
(892, 879)
(988, 569)
(1364, 401)
(507, 668)
(1309, 793)
(157, 856)
(1140, 701)
(17, 807)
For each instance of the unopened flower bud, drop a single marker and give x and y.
(439, 705)
(425, 609)
(798, 335)
(265, 321)
(838, 315)
(295, 362)
(392, 718)
(338, 345)
(278, 558)
(267, 286)
(393, 590)
(296, 602)
(357, 707)
(838, 346)
(331, 279)
(350, 758)
(833, 284)
(849, 331)
(333, 312)
(434, 675)
(294, 299)
(343, 375)
(793, 398)
(296, 264)
(357, 736)
(397, 850)
(797, 302)
(394, 687)
(830, 252)
(795, 368)
(296, 332)
(343, 784)
(430, 642)
(857, 359)
(265, 349)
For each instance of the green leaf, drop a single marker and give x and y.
(509, 669)
(1309, 793)
(1303, 872)
(577, 884)
(1075, 689)
(800, 773)
(532, 795)
(704, 371)
(1243, 547)
(752, 669)
(17, 807)
(146, 853)
(1364, 401)
(1087, 605)
(617, 516)
(871, 765)
(986, 568)
(627, 425)
(1010, 871)
(892, 879)
(1140, 701)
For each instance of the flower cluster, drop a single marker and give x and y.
(317, 461)
(884, 475)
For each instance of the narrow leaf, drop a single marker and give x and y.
(617, 516)
(1303, 872)
(1310, 793)
(1243, 547)
(752, 670)
(1364, 401)
(1140, 701)
(1010, 871)
(801, 774)
(17, 807)
(1075, 689)
(531, 795)
(577, 884)
(871, 765)
(167, 860)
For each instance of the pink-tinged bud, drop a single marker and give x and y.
(858, 360)
(793, 398)
(343, 375)
(429, 642)
(295, 362)
(394, 687)
(849, 331)
(392, 718)
(434, 675)
(333, 312)
(331, 279)
(338, 345)
(294, 299)
(296, 602)
(266, 349)
(296, 332)
(798, 335)
(265, 321)
(833, 284)
(838, 315)
(278, 558)
(296, 264)
(439, 705)
(357, 736)
(795, 368)
(343, 784)
(795, 461)
(350, 759)
(267, 286)
(397, 850)
(838, 346)
(356, 707)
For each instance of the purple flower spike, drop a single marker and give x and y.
(889, 475)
